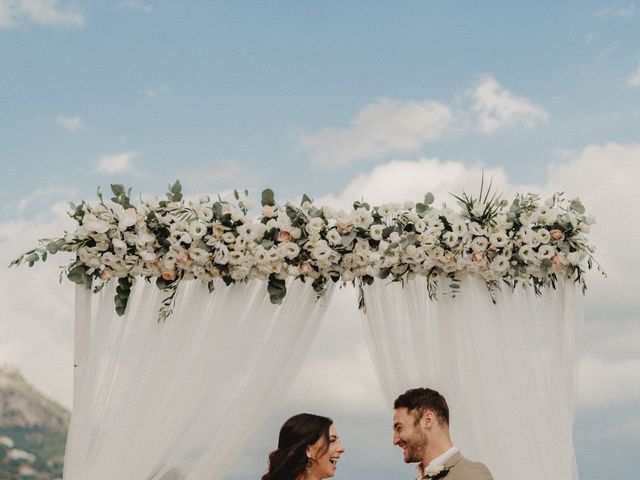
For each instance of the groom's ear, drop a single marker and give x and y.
(427, 420)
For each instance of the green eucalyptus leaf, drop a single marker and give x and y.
(268, 198)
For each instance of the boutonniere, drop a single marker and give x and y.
(434, 472)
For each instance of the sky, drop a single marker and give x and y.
(341, 101)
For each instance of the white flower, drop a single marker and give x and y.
(205, 214)
(333, 237)
(203, 199)
(361, 218)
(500, 264)
(419, 225)
(388, 209)
(147, 255)
(145, 238)
(269, 211)
(321, 250)
(127, 218)
(376, 231)
(252, 231)
(94, 224)
(315, 225)
(197, 230)
(199, 255)
(240, 272)
(221, 255)
(450, 239)
(228, 237)
(436, 226)
(526, 253)
(498, 239)
(479, 244)
(289, 249)
(433, 470)
(119, 246)
(543, 235)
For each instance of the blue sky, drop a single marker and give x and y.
(338, 100)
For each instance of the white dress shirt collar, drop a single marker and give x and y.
(439, 460)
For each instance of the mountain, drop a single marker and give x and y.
(33, 430)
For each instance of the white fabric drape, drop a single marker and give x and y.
(508, 371)
(180, 399)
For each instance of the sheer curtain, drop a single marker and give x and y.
(508, 371)
(180, 399)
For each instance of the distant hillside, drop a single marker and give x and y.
(33, 431)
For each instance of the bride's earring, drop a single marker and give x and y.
(309, 462)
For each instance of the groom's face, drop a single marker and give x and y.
(408, 436)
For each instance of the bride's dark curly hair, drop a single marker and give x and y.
(290, 460)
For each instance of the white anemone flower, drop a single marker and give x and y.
(197, 230)
(498, 239)
(199, 255)
(388, 209)
(321, 250)
(127, 218)
(315, 225)
(221, 255)
(94, 225)
(376, 231)
(252, 231)
(361, 218)
(479, 244)
(500, 264)
(526, 253)
(333, 237)
(543, 235)
(450, 239)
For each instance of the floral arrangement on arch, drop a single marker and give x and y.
(526, 242)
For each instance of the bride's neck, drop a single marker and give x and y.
(307, 476)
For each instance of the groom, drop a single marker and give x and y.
(421, 429)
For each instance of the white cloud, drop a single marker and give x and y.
(39, 12)
(617, 12)
(401, 180)
(383, 127)
(634, 80)
(40, 194)
(70, 123)
(157, 91)
(117, 163)
(496, 108)
(388, 126)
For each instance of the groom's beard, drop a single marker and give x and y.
(415, 447)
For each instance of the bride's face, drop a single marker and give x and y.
(326, 458)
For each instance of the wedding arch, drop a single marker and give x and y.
(189, 311)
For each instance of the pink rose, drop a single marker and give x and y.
(284, 236)
(478, 258)
(556, 234)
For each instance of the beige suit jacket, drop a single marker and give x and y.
(462, 469)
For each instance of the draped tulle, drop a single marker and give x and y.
(508, 370)
(179, 399)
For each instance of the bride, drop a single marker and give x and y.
(308, 449)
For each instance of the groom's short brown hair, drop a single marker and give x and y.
(419, 400)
